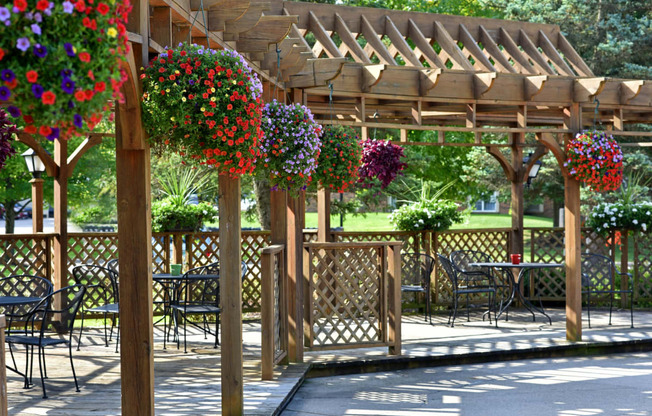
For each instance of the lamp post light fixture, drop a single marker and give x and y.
(534, 170)
(36, 167)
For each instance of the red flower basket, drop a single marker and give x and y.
(339, 159)
(206, 105)
(595, 159)
(59, 62)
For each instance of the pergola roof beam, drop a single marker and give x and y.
(530, 48)
(424, 46)
(399, 43)
(514, 52)
(373, 40)
(323, 38)
(472, 46)
(573, 57)
(233, 28)
(454, 52)
(490, 46)
(552, 54)
(349, 41)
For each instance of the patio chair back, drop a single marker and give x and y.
(101, 283)
(416, 271)
(24, 285)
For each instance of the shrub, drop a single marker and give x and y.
(426, 215)
(167, 216)
(90, 215)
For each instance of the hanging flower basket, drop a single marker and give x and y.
(59, 62)
(380, 159)
(339, 159)
(7, 130)
(595, 159)
(606, 218)
(206, 105)
(290, 146)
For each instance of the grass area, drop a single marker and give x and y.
(379, 221)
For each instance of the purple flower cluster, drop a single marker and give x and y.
(380, 159)
(290, 146)
(7, 129)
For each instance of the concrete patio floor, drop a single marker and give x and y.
(189, 384)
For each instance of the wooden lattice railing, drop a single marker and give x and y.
(353, 295)
(274, 309)
(26, 254)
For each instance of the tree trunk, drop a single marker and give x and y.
(263, 203)
(10, 217)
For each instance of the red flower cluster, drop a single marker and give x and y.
(339, 159)
(56, 61)
(206, 105)
(595, 159)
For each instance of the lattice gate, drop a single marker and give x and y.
(347, 305)
(642, 268)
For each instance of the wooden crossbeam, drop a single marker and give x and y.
(222, 11)
(349, 41)
(552, 54)
(374, 41)
(472, 47)
(586, 89)
(573, 57)
(269, 30)
(510, 46)
(448, 44)
(424, 46)
(482, 83)
(233, 28)
(398, 42)
(490, 46)
(323, 38)
(533, 53)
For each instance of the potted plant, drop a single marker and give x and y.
(595, 158)
(430, 214)
(606, 218)
(59, 63)
(168, 216)
(205, 105)
(380, 160)
(7, 130)
(339, 159)
(289, 147)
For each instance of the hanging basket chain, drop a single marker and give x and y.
(192, 24)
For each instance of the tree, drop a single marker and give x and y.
(14, 186)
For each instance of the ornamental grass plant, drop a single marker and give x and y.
(205, 105)
(60, 63)
(290, 146)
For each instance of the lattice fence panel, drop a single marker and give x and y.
(411, 241)
(91, 248)
(253, 243)
(309, 236)
(204, 249)
(278, 328)
(493, 242)
(347, 296)
(25, 255)
(642, 268)
(161, 252)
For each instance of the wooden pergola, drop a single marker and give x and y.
(368, 68)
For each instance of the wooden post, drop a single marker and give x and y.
(324, 216)
(3, 370)
(278, 213)
(295, 224)
(135, 248)
(231, 296)
(572, 221)
(267, 315)
(61, 214)
(517, 205)
(37, 205)
(394, 296)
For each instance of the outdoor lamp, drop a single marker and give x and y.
(34, 163)
(534, 170)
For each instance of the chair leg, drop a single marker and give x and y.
(455, 302)
(117, 337)
(80, 331)
(216, 328)
(185, 334)
(588, 307)
(631, 309)
(72, 365)
(468, 317)
(40, 367)
(611, 305)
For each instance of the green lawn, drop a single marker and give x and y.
(379, 221)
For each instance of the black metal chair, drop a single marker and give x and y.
(481, 276)
(37, 334)
(197, 293)
(101, 290)
(113, 265)
(463, 284)
(416, 270)
(598, 273)
(26, 285)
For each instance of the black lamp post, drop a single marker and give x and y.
(36, 167)
(534, 170)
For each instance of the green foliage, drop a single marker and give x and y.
(90, 215)
(177, 186)
(426, 215)
(14, 184)
(168, 216)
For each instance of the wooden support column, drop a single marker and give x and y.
(37, 205)
(231, 295)
(394, 296)
(61, 214)
(278, 213)
(3, 369)
(295, 225)
(517, 205)
(324, 216)
(572, 221)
